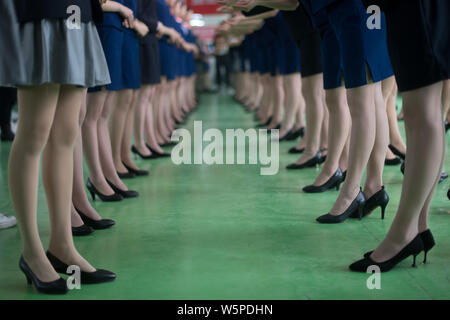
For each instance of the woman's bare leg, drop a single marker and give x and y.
(375, 165)
(313, 93)
(104, 145)
(57, 175)
(37, 107)
(293, 103)
(141, 117)
(361, 102)
(390, 94)
(338, 133)
(121, 103)
(79, 196)
(424, 157)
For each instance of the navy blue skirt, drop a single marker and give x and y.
(168, 56)
(122, 54)
(362, 49)
(330, 50)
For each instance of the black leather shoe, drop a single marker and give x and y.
(393, 162)
(413, 248)
(308, 164)
(169, 144)
(266, 123)
(96, 224)
(98, 276)
(278, 127)
(157, 154)
(136, 151)
(428, 244)
(296, 133)
(397, 152)
(379, 199)
(83, 230)
(294, 150)
(124, 193)
(126, 175)
(287, 135)
(138, 173)
(355, 209)
(93, 190)
(58, 286)
(334, 182)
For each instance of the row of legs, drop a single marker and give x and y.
(50, 119)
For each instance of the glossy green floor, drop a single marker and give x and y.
(225, 232)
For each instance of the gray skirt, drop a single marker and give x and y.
(48, 51)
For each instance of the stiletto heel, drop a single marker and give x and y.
(428, 243)
(93, 190)
(28, 278)
(379, 199)
(58, 286)
(383, 210)
(411, 249)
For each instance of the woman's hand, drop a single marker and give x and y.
(141, 28)
(128, 16)
(226, 9)
(246, 5)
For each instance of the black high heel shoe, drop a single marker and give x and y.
(278, 127)
(413, 248)
(397, 152)
(98, 276)
(157, 154)
(124, 193)
(266, 123)
(355, 209)
(136, 151)
(428, 244)
(58, 286)
(138, 173)
(308, 164)
(379, 199)
(294, 150)
(126, 175)
(287, 135)
(95, 224)
(296, 133)
(334, 182)
(393, 162)
(81, 231)
(93, 190)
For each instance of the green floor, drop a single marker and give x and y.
(225, 232)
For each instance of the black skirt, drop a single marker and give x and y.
(150, 63)
(418, 42)
(307, 38)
